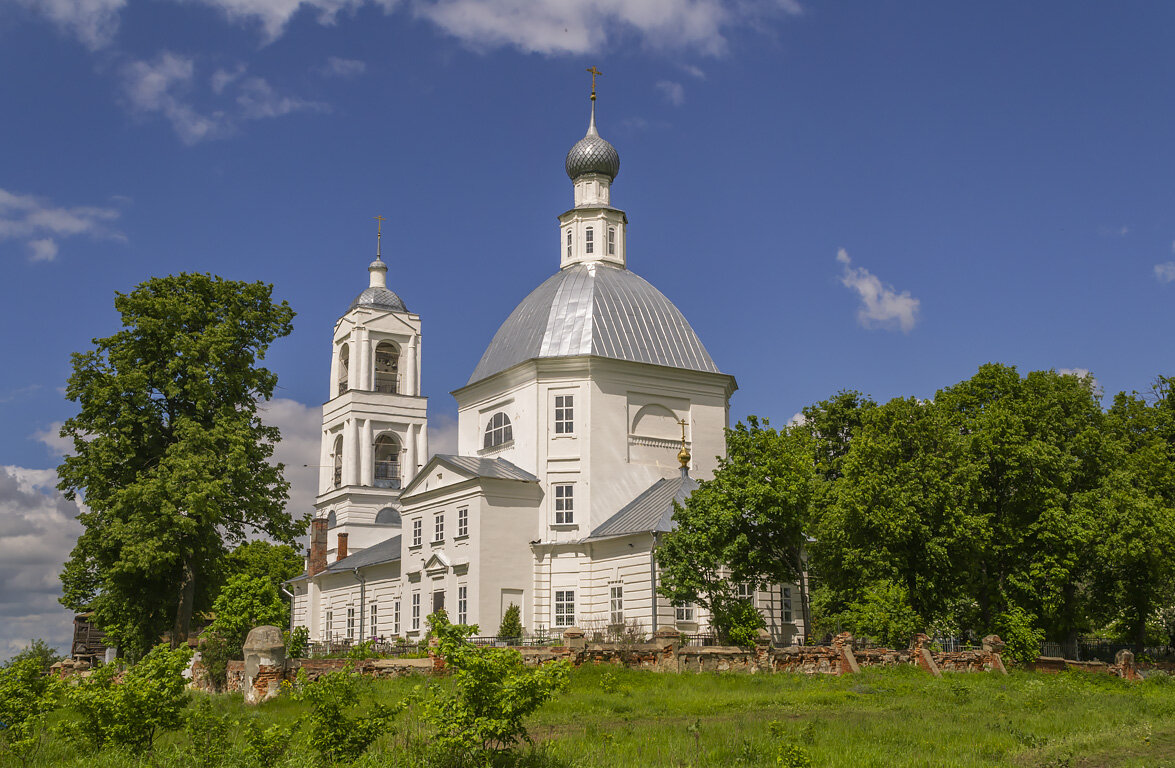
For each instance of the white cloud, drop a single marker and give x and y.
(166, 85)
(881, 306)
(51, 438)
(93, 22)
(673, 92)
(697, 72)
(442, 434)
(1165, 272)
(336, 67)
(39, 531)
(301, 428)
(797, 419)
(39, 223)
(44, 249)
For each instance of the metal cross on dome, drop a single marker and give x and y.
(379, 229)
(595, 72)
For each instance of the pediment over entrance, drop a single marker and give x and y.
(437, 564)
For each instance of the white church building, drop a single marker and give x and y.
(567, 465)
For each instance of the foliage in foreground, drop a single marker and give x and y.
(338, 730)
(27, 696)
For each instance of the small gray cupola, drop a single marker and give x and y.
(377, 295)
(592, 153)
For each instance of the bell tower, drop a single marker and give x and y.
(374, 423)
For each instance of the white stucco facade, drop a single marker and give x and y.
(567, 461)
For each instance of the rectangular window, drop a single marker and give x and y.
(617, 612)
(565, 608)
(745, 592)
(373, 624)
(350, 623)
(684, 611)
(417, 531)
(463, 522)
(330, 625)
(589, 241)
(787, 615)
(462, 605)
(438, 523)
(396, 618)
(611, 241)
(564, 504)
(564, 414)
(415, 610)
(568, 246)
(438, 600)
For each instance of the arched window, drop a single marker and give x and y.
(387, 368)
(331, 520)
(611, 241)
(569, 243)
(387, 462)
(589, 240)
(388, 516)
(344, 367)
(338, 461)
(498, 431)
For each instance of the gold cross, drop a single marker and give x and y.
(380, 225)
(594, 72)
(682, 423)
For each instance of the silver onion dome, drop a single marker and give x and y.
(592, 154)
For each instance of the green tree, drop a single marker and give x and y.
(245, 602)
(277, 563)
(746, 524)
(1135, 510)
(39, 650)
(511, 625)
(170, 453)
(894, 515)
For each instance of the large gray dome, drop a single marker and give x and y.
(379, 298)
(595, 309)
(592, 154)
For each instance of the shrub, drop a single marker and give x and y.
(511, 622)
(215, 653)
(38, 649)
(493, 691)
(737, 622)
(266, 746)
(206, 729)
(27, 696)
(338, 735)
(884, 614)
(150, 697)
(1016, 627)
(297, 641)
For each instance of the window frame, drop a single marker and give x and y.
(462, 522)
(616, 604)
(372, 619)
(415, 611)
(350, 623)
(438, 528)
(569, 242)
(417, 532)
(462, 604)
(564, 414)
(563, 505)
(498, 432)
(611, 241)
(684, 613)
(396, 618)
(589, 240)
(563, 608)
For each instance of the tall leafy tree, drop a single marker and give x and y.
(260, 559)
(1135, 564)
(169, 452)
(746, 524)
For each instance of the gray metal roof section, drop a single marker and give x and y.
(651, 511)
(492, 468)
(595, 309)
(379, 298)
(387, 551)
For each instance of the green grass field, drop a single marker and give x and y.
(883, 718)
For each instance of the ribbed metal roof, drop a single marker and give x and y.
(492, 468)
(386, 551)
(595, 309)
(652, 510)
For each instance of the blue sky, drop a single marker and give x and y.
(879, 196)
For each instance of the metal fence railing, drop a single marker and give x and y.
(1101, 649)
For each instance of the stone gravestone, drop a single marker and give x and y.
(265, 664)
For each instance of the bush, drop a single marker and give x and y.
(297, 641)
(266, 746)
(511, 622)
(493, 691)
(338, 735)
(737, 622)
(36, 649)
(206, 729)
(1017, 628)
(150, 697)
(27, 696)
(215, 653)
(884, 614)
(243, 603)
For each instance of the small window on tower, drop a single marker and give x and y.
(564, 504)
(611, 241)
(589, 240)
(569, 243)
(564, 414)
(498, 431)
